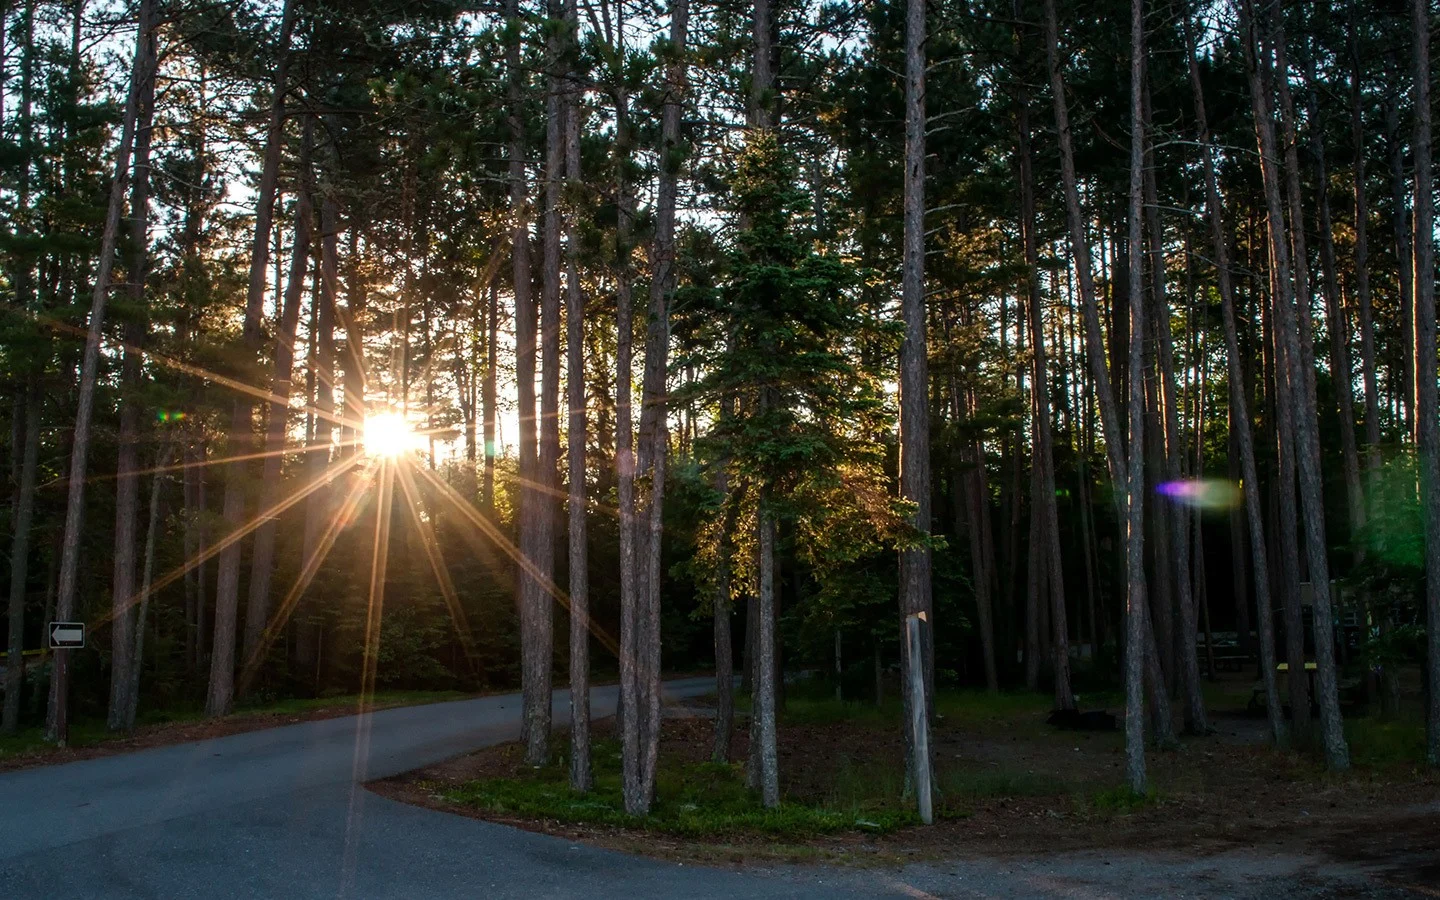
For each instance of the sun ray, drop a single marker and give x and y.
(374, 608)
(238, 534)
(307, 574)
(375, 603)
(509, 549)
(611, 511)
(184, 368)
(205, 463)
(431, 543)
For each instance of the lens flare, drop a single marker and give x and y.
(1202, 493)
(388, 435)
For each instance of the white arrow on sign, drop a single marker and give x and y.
(67, 635)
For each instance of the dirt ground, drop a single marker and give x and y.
(1217, 797)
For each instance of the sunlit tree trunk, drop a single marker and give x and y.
(761, 648)
(220, 696)
(57, 726)
(915, 564)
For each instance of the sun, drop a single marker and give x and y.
(389, 436)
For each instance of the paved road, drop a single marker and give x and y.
(279, 813)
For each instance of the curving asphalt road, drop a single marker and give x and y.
(280, 813)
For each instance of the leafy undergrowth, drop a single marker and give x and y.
(158, 727)
(1006, 783)
(692, 799)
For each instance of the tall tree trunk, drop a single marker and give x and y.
(1135, 643)
(488, 399)
(537, 635)
(1239, 406)
(722, 610)
(1299, 364)
(632, 685)
(1080, 253)
(530, 593)
(58, 716)
(1044, 455)
(765, 765)
(915, 598)
(1307, 428)
(257, 609)
(191, 514)
(1337, 322)
(1362, 264)
(127, 480)
(645, 547)
(1177, 535)
(575, 436)
(221, 695)
(28, 411)
(157, 484)
(1427, 416)
(760, 655)
(20, 559)
(319, 505)
(975, 496)
(1404, 249)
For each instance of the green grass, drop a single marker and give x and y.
(971, 784)
(699, 800)
(91, 732)
(1384, 743)
(1118, 800)
(816, 705)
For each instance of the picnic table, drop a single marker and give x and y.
(1257, 694)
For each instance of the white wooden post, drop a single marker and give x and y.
(919, 721)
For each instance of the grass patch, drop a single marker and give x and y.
(1385, 743)
(816, 705)
(1119, 800)
(982, 785)
(697, 800)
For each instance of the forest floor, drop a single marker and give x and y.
(89, 738)
(1010, 785)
